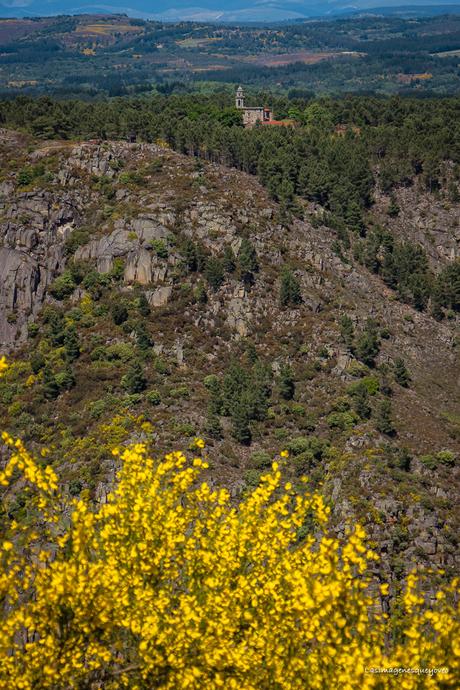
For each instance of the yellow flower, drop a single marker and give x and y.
(284, 453)
(3, 365)
(172, 583)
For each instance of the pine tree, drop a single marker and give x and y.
(56, 328)
(67, 379)
(286, 383)
(234, 384)
(72, 346)
(368, 345)
(201, 295)
(247, 261)
(401, 373)
(347, 332)
(119, 314)
(214, 273)
(354, 218)
(241, 429)
(144, 306)
(212, 383)
(384, 422)
(290, 293)
(229, 260)
(50, 385)
(201, 258)
(258, 390)
(37, 362)
(189, 255)
(361, 401)
(134, 381)
(213, 425)
(143, 340)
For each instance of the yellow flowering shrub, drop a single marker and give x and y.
(169, 585)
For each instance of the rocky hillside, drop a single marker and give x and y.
(149, 296)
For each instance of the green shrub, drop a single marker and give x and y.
(180, 392)
(252, 478)
(298, 445)
(160, 248)
(261, 460)
(342, 420)
(153, 397)
(186, 429)
(76, 239)
(63, 286)
(370, 382)
(341, 404)
(446, 457)
(211, 382)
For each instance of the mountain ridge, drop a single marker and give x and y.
(235, 12)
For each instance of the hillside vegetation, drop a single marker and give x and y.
(172, 280)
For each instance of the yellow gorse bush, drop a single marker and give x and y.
(168, 585)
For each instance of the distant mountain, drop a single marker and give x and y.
(223, 10)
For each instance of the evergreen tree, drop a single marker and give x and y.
(241, 429)
(229, 260)
(37, 362)
(385, 382)
(143, 340)
(361, 401)
(290, 292)
(286, 382)
(56, 328)
(402, 375)
(72, 346)
(50, 385)
(213, 425)
(368, 345)
(212, 383)
(119, 314)
(214, 273)
(144, 306)
(134, 381)
(234, 384)
(201, 258)
(383, 421)
(347, 332)
(66, 379)
(201, 295)
(247, 261)
(251, 352)
(189, 254)
(354, 218)
(258, 391)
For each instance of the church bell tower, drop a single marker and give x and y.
(240, 98)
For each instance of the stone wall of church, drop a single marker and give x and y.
(253, 115)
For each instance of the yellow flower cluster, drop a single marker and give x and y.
(3, 365)
(169, 585)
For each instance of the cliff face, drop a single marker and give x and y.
(127, 210)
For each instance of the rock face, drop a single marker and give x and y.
(34, 227)
(89, 208)
(35, 224)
